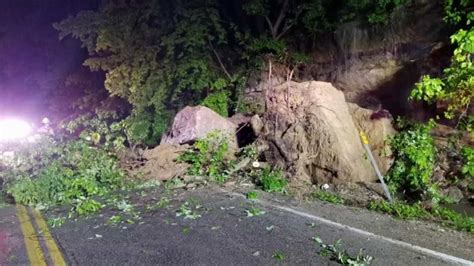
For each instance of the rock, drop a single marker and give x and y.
(161, 162)
(193, 123)
(439, 175)
(368, 60)
(379, 130)
(240, 119)
(375, 187)
(454, 193)
(241, 165)
(311, 134)
(257, 125)
(356, 194)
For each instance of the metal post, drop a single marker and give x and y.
(365, 142)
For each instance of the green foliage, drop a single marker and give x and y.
(316, 16)
(188, 211)
(250, 151)
(468, 156)
(219, 102)
(377, 12)
(400, 209)
(327, 196)
(417, 211)
(87, 206)
(455, 11)
(73, 173)
(454, 219)
(161, 55)
(56, 221)
(207, 158)
(145, 127)
(158, 55)
(278, 255)
(271, 180)
(252, 195)
(456, 85)
(337, 253)
(102, 128)
(254, 212)
(414, 153)
(256, 7)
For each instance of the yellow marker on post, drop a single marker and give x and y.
(365, 141)
(364, 138)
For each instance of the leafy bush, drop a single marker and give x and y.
(207, 158)
(456, 85)
(145, 128)
(57, 174)
(271, 180)
(158, 55)
(101, 128)
(219, 102)
(414, 153)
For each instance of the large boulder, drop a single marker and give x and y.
(309, 132)
(378, 126)
(194, 123)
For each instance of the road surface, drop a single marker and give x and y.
(225, 235)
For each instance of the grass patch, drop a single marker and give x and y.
(416, 211)
(327, 196)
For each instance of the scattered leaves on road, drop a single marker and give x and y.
(337, 253)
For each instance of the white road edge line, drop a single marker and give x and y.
(432, 253)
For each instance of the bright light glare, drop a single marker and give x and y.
(14, 129)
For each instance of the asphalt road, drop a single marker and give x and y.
(225, 235)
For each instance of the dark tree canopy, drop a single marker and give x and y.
(161, 55)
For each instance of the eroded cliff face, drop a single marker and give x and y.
(377, 66)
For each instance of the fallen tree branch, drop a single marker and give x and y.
(224, 69)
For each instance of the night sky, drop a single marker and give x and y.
(32, 59)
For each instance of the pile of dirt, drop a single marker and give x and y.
(161, 162)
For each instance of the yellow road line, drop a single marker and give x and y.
(53, 249)
(33, 248)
